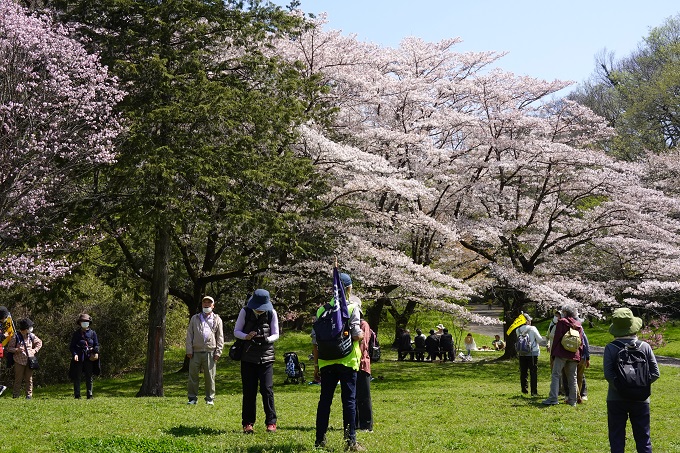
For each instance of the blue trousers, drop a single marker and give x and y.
(330, 375)
(618, 413)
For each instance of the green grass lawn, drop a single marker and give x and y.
(418, 407)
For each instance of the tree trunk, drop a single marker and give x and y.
(153, 373)
(401, 319)
(513, 305)
(374, 312)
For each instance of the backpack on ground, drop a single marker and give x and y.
(295, 370)
(571, 340)
(632, 379)
(373, 347)
(332, 345)
(523, 343)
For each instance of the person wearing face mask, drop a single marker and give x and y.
(258, 325)
(84, 349)
(204, 344)
(23, 345)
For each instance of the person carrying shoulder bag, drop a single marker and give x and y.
(24, 345)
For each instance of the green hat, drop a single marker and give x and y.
(624, 323)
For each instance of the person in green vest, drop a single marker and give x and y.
(343, 370)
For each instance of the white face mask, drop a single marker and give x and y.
(207, 310)
(84, 324)
(555, 318)
(30, 329)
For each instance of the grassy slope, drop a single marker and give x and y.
(469, 407)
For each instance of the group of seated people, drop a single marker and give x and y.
(438, 345)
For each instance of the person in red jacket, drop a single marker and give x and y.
(564, 360)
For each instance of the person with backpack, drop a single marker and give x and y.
(566, 351)
(630, 368)
(258, 325)
(204, 344)
(330, 371)
(528, 350)
(419, 343)
(23, 345)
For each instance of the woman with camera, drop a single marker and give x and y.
(258, 325)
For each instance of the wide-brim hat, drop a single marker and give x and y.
(260, 301)
(83, 317)
(25, 324)
(439, 326)
(624, 323)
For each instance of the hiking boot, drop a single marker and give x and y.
(550, 402)
(354, 446)
(188, 402)
(248, 429)
(271, 428)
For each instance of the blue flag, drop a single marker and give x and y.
(339, 312)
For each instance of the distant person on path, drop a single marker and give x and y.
(528, 362)
(405, 347)
(204, 344)
(23, 345)
(620, 408)
(258, 325)
(446, 346)
(497, 343)
(84, 349)
(419, 343)
(470, 344)
(343, 370)
(564, 359)
(6, 333)
(364, 404)
(432, 346)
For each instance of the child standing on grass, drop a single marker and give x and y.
(470, 344)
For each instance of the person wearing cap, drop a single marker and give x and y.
(528, 364)
(564, 360)
(343, 370)
(6, 333)
(23, 345)
(258, 326)
(204, 344)
(84, 349)
(624, 328)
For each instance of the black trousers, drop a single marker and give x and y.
(528, 365)
(83, 367)
(251, 375)
(364, 405)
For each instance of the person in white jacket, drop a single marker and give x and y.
(528, 362)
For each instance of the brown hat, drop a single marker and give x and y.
(83, 317)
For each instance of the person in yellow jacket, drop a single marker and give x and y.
(343, 370)
(6, 334)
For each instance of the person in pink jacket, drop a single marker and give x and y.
(564, 359)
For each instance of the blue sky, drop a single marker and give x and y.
(547, 39)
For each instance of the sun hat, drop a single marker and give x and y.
(440, 326)
(526, 316)
(25, 323)
(260, 301)
(83, 317)
(212, 301)
(624, 323)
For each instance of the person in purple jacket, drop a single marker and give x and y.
(564, 360)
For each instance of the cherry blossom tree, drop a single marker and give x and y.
(57, 127)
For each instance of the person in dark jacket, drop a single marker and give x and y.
(563, 359)
(419, 343)
(432, 346)
(446, 346)
(620, 407)
(84, 349)
(405, 347)
(258, 325)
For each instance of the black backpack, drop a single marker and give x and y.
(632, 380)
(332, 346)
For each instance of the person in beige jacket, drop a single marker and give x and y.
(204, 344)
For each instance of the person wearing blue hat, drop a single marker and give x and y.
(258, 326)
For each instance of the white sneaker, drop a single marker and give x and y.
(2, 389)
(191, 402)
(210, 403)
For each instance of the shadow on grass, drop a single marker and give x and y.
(192, 431)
